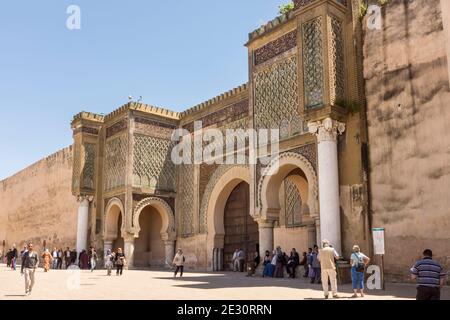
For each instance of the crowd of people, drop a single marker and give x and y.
(319, 265)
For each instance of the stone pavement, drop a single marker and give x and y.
(160, 285)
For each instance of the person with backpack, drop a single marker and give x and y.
(178, 263)
(358, 261)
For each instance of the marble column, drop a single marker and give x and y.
(83, 223)
(169, 247)
(330, 221)
(129, 250)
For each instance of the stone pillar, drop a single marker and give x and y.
(330, 221)
(265, 228)
(169, 246)
(265, 236)
(83, 223)
(129, 250)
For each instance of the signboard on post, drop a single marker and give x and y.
(378, 241)
(378, 249)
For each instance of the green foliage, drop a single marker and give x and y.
(286, 8)
(351, 106)
(363, 7)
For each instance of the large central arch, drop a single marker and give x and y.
(215, 210)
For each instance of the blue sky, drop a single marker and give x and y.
(175, 54)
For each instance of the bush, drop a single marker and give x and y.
(286, 8)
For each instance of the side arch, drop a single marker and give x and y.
(113, 210)
(168, 231)
(273, 176)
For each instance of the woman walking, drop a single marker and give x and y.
(178, 263)
(109, 261)
(47, 258)
(120, 261)
(84, 260)
(358, 261)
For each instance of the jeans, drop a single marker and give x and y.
(357, 279)
(13, 263)
(55, 263)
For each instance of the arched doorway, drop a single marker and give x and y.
(149, 248)
(225, 198)
(154, 231)
(114, 226)
(241, 231)
(288, 202)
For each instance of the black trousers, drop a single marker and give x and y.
(428, 293)
(179, 268)
(119, 269)
(290, 268)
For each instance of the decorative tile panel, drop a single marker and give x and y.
(152, 166)
(276, 97)
(89, 166)
(337, 75)
(313, 64)
(115, 162)
(116, 128)
(293, 204)
(275, 48)
(186, 194)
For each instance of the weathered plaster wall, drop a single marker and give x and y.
(288, 238)
(194, 249)
(445, 8)
(408, 96)
(36, 204)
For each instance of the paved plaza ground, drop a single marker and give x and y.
(160, 285)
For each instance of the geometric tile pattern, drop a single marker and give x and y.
(115, 162)
(313, 63)
(152, 166)
(293, 204)
(337, 60)
(276, 97)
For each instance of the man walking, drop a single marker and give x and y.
(30, 262)
(55, 259)
(326, 257)
(430, 277)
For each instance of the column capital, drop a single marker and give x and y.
(264, 223)
(327, 129)
(81, 198)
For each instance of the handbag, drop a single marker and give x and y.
(360, 267)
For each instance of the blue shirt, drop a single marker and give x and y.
(428, 272)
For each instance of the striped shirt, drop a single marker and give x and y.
(428, 272)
